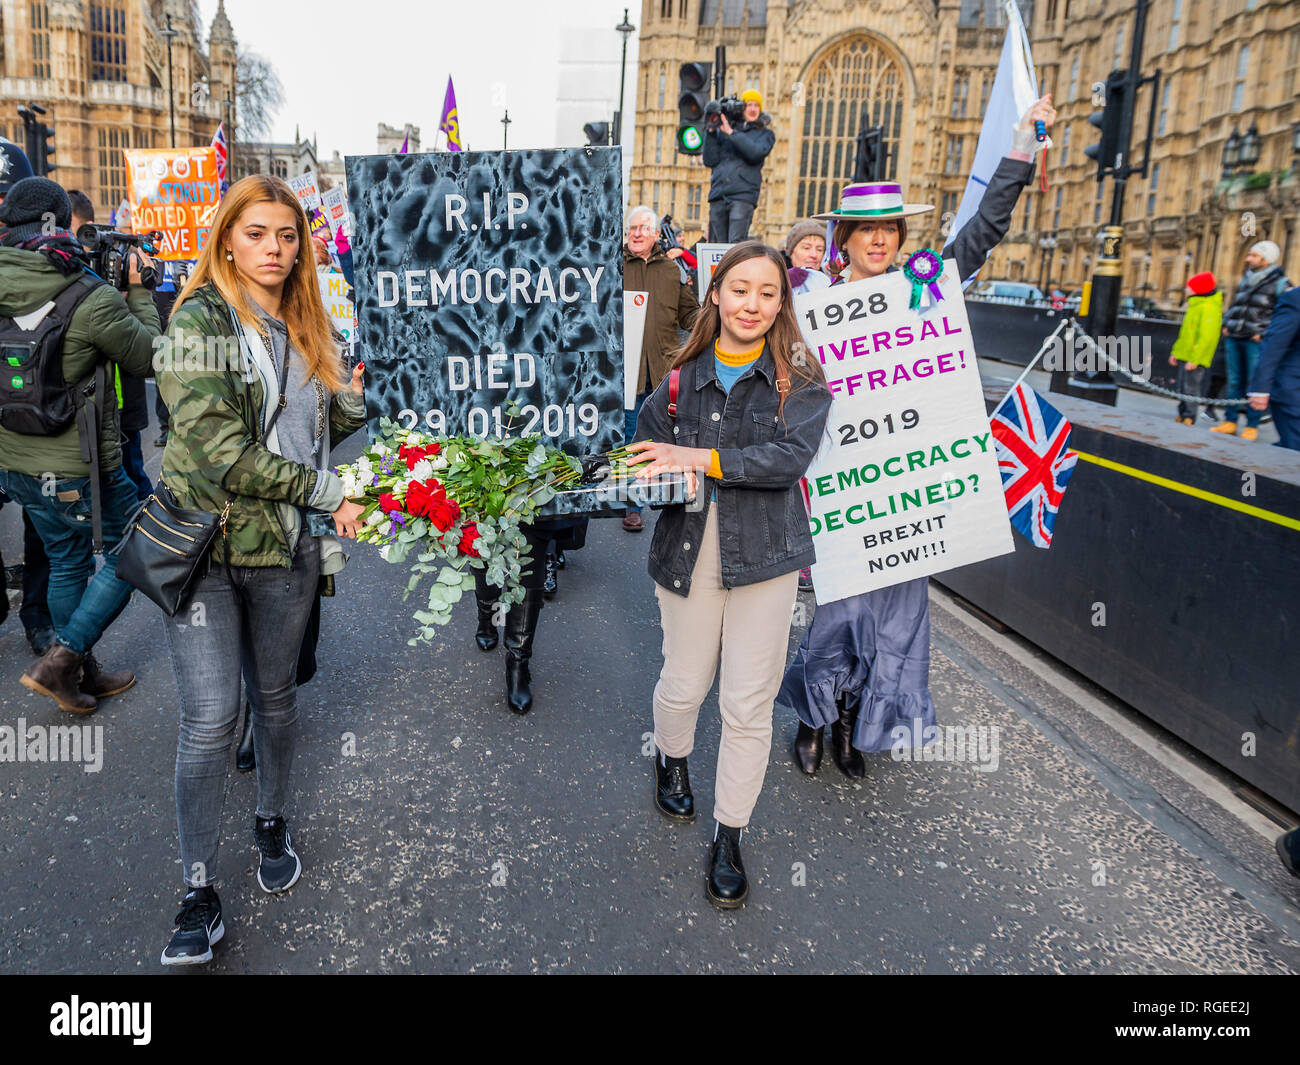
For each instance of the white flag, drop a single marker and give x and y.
(1014, 92)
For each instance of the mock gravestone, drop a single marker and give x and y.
(486, 280)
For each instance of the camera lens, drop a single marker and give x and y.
(89, 235)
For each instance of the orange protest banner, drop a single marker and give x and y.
(175, 191)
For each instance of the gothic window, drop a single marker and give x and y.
(40, 39)
(693, 198)
(1239, 85)
(960, 94)
(952, 161)
(108, 41)
(854, 85)
(112, 166)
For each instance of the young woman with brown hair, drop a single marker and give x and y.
(257, 392)
(743, 406)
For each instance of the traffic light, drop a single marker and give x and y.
(597, 133)
(41, 165)
(869, 164)
(1108, 121)
(692, 96)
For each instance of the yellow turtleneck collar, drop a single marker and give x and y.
(743, 359)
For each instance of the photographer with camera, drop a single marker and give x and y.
(60, 445)
(132, 397)
(736, 141)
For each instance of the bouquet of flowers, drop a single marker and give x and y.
(455, 503)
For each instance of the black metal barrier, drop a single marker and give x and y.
(1173, 582)
(1014, 332)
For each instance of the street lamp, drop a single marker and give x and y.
(169, 33)
(1249, 151)
(1046, 245)
(1295, 139)
(505, 130)
(1231, 152)
(228, 107)
(625, 30)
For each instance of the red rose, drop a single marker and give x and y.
(467, 538)
(422, 495)
(443, 512)
(388, 503)
(412, 455)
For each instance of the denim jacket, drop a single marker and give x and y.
(762, 521)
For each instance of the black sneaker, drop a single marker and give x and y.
(280, 868)
(198, 928)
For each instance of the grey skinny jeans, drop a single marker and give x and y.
(254, 628)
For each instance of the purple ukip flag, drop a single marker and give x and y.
(450, 123)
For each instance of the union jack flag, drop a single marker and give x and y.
(1032, 440)
(219, 145)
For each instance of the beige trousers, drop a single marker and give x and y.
(749, 628)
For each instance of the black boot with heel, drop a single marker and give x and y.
(486, 633)
(847, 757)
(521, 627)
(808, 749)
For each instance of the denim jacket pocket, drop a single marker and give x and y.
(686, 431)
(764, 427)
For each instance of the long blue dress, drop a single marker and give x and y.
(873, 649)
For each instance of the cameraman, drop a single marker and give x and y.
(39, 261)
(736, 156)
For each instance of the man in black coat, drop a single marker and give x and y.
(1245, 321)
(736, 156)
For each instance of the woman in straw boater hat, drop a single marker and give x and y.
(864, 664)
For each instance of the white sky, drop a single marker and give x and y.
(346, 67)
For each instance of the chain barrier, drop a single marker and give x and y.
(1204, 401)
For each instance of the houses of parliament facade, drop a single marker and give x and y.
(923, 70)
(99, 68)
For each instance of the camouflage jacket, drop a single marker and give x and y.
(214, 451)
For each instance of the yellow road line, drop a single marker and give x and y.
(1198, 493)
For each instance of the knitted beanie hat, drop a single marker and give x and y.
(1268, 251)
(1202, 284)
(807, 228)
(29, 203)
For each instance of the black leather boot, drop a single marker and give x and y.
(673, 796)
(486, 633)
(560, 560)
(727, 886)
(521, 626)
(808, 749)
(245, 761)
(847, 757)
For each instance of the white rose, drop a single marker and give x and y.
(439, 463)
(380, 449)
(376, 516)
(423, 470)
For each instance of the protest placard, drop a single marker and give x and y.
(490, 278)
(634, 308)
(334, 294)
(305, 188)
(175, 191)
(707, 256)
(906, 483)
(334, 203)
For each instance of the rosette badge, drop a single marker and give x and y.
(923, 269)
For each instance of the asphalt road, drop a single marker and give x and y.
(439, 832)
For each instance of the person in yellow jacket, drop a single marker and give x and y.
(1193, 351)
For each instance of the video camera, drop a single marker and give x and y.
(111, 252)
(731, 106)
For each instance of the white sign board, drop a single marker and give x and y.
(305, 188)
(334, 203)
(634, 310)
(707, 256)
(343, 315)
(906, 483)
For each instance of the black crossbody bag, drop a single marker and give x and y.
(165, 547)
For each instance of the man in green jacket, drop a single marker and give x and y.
(48, 475)
(1193, 351)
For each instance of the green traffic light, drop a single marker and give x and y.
(690, 138)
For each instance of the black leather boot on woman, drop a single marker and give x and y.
(521, 627)
(847, 757)
(484, 598)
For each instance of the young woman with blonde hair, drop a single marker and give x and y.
(257, 394)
